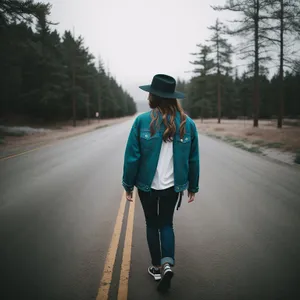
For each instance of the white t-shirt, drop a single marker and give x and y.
(164, 176)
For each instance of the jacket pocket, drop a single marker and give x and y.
(146, 135)
(183, 146)
(147, 141)
(185, 140)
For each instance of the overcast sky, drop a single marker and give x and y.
(137, 39)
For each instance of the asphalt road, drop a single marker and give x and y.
(58, 208)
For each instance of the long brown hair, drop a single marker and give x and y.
(167, 107)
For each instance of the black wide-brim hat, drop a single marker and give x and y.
(163, 86)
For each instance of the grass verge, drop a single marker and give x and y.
(18, 133)
(275, 145)
(243, 144)
(258, 142)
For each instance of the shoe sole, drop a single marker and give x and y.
(165, 283)
(156, 277)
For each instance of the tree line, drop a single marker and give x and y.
(267, 31)
(50, 77)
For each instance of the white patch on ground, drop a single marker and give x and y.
(286, 157)
(24, 129)
(276, 154)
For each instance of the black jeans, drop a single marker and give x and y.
(159, 208)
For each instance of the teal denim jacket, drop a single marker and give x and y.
(142, 154)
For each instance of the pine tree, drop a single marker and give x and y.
(46, 90)
(12, 11)
(284, 18)
(200, 89)
(205, 63)
(252, 14)
(222, 51)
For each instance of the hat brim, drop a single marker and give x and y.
(175, 95)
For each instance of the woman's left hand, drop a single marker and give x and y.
(129, 196)
(191, 197)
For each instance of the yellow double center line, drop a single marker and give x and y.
(103, 292)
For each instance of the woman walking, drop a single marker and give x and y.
(162, 160)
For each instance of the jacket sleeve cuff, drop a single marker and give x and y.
(128, 188)
(193, 190)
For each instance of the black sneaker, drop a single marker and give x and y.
(155, 272)
(167, 275)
